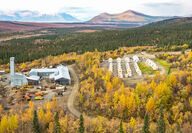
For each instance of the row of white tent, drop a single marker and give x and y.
(128, 69)
(151, 64)
(110, 64)
(136, 59)
(137, 69)
(119, 69)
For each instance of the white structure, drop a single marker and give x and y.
(128, 69)
(33, 80)
(2, 72)
(110, 64)
(137, 69)
(110, 60)
(37, 78)
(59, 75)
(127, 59)
(62, 77)
(43, 72)
(17, 79)
(151, 64)
(119, 69)
(136, 58)
(12, 66)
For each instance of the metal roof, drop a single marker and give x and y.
(63, 73)
(44, 70)
(34, 78)
(57, 73)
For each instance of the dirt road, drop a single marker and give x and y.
(18, 37)
(72, 96)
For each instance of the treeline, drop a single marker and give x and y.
(27, 50)
(10, 34)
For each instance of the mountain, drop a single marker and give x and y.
(174, 21)
(32, 16)
(129, 16)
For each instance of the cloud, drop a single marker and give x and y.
(165, 8)
(85, 9)
(79, 12)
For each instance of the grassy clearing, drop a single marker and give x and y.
(146, 69)
(163, 63)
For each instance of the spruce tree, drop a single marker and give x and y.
(169, 71)
(35, 126)
(121, 127)
(178, 128)
(81, 124)
(146, 124)
(56, 127)
(161, 122)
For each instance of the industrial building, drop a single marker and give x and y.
(59, 74)
(17, 79)
(43, 72)
(62, 77)
(33, 80)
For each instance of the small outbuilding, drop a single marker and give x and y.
(2, 72)
(33, 80)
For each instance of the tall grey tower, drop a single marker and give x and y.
(12, 66)
(17, 79)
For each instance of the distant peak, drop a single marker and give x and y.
(105, 13)
(129, 11)
(134, 12)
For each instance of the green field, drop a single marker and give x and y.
(163, 63)
(146, 69)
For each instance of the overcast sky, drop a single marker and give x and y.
(87, 8)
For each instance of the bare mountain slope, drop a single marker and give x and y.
(126, 17)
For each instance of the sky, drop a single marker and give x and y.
(85, 9)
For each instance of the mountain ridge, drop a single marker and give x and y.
(128, 16)
(34, 16)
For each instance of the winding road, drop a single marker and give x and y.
(72, 96)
